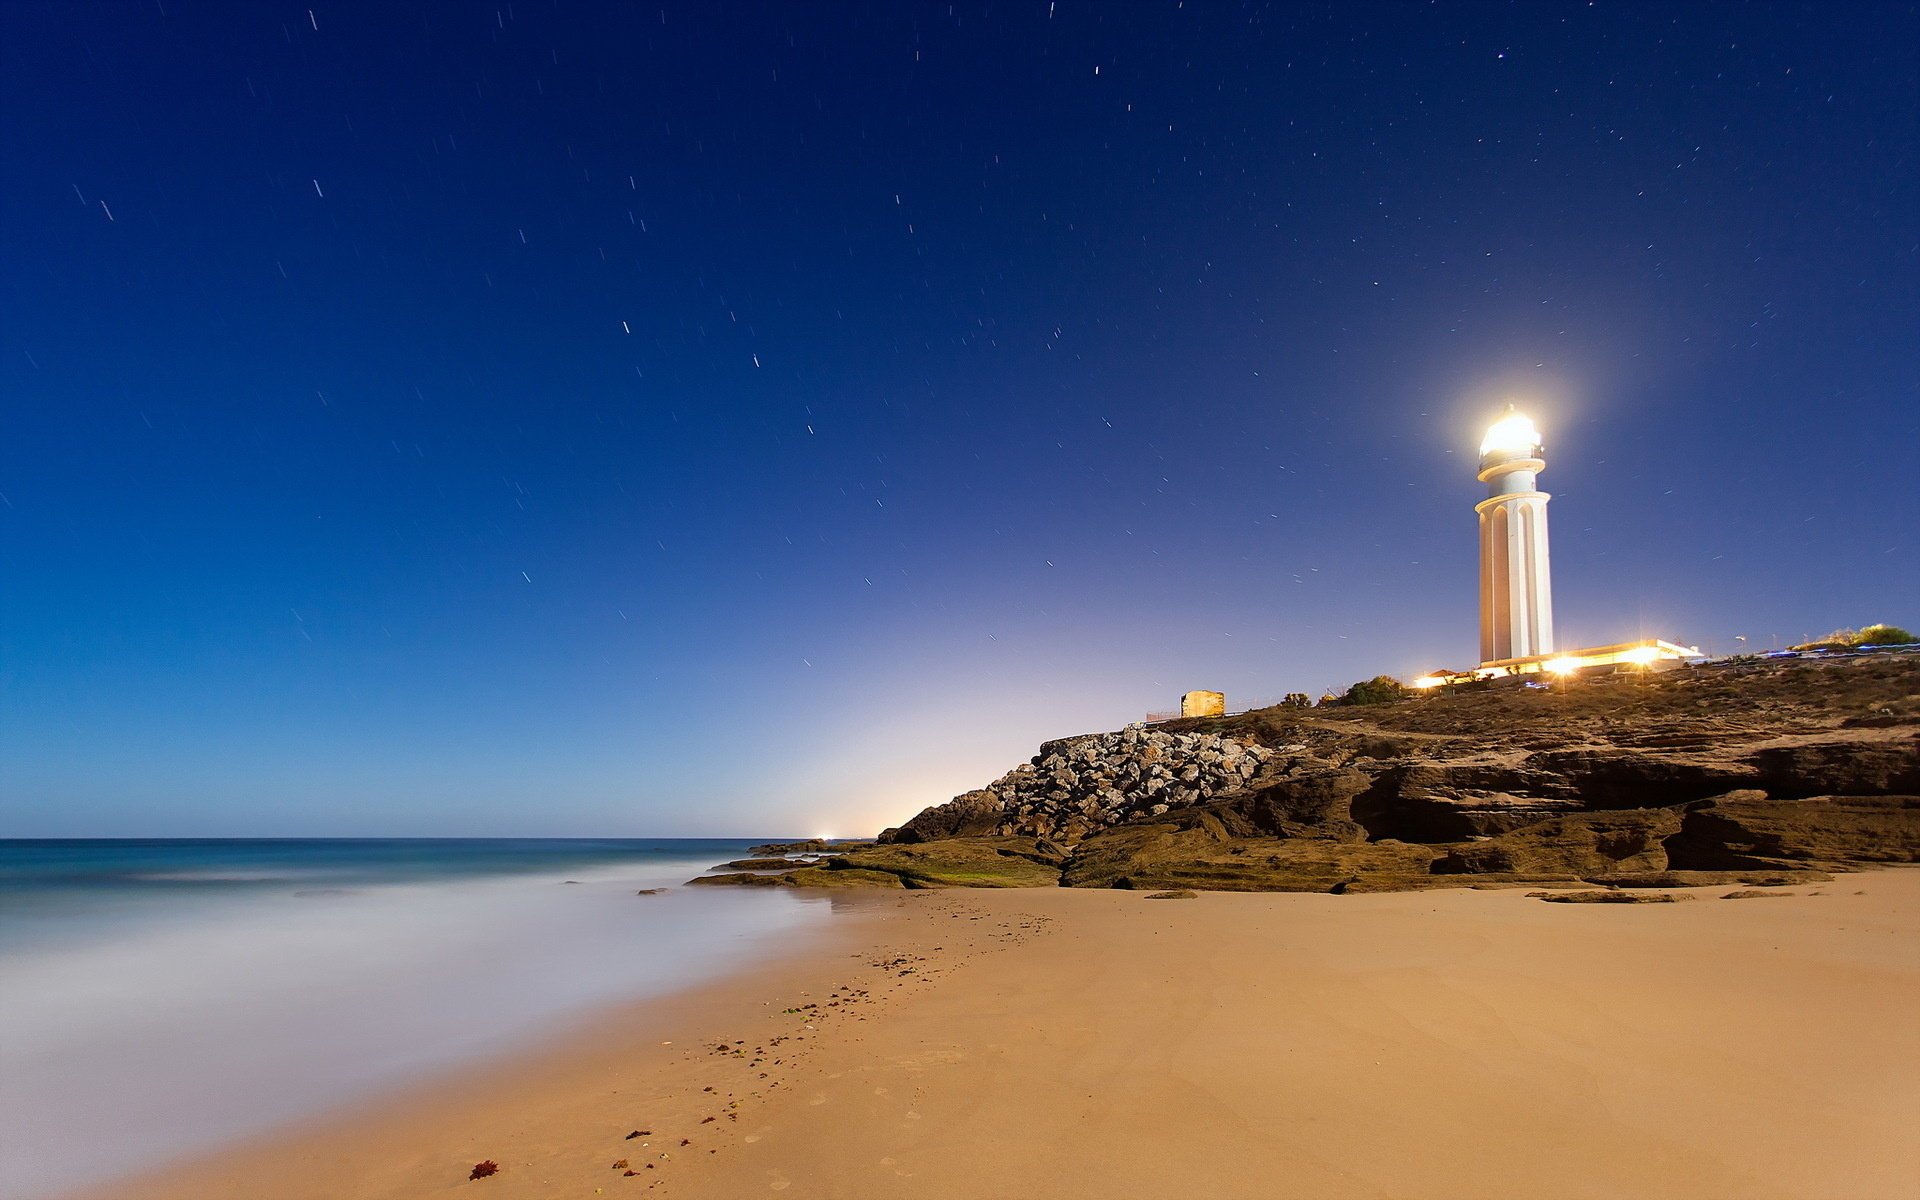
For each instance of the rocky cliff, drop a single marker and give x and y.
(1745, 771)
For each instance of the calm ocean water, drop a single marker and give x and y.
(159, 997)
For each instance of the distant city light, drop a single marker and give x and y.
(1429, 681)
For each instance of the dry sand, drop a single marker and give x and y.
(1058, 1043)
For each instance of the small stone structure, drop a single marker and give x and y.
(1203, 704)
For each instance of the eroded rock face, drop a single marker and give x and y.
(1197, 852)
(1841, 766)
(1583, 844)
(1736, 772)
(970, 814)
(1749, 829)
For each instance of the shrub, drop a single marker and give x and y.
(1296, 700)
(1869, 635)
(1886, 635)
(1381, 689)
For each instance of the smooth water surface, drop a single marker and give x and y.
(158, 997)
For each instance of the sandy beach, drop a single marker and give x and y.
(1067, 1043)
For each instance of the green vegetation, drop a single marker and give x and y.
(1866, 635)
(1295, 700)
(1381, 689)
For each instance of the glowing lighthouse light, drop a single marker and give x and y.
(1512, 434)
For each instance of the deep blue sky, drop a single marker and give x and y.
(585, 417)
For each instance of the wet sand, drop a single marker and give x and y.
(1067, 1044)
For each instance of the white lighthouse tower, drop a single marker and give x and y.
(1516, 596)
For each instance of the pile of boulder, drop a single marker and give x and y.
(1076, 786)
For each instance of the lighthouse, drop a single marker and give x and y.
(1516, 595)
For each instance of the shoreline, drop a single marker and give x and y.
(543, 1070)
(1070, 1042)
(144, 1026)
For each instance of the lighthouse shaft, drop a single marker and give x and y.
(1516, 594)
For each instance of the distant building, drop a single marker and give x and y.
(1516, 586)
(1203, 704)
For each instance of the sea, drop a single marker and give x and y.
(161, 997)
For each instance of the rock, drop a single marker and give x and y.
(1841, 766)
(841, 877)
(1754, 894)
(961, 862)
(1691, 879)
(652, 891)
(1182, 894)
(1749, 829)
(1618, 778)
(1204, 855)
(814, 877)
(1448, 802)
(1075, 785)
(810, 846)
(1312, 798)
(970, 814)
(737, 879)
(1577, 844)
(1607, 897)
(758, 864)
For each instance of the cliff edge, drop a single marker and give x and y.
(1754, 771)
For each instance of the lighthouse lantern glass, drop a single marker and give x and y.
(1512, 434)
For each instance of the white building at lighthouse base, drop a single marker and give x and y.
(1648, 654)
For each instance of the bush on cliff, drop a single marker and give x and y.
(1381, 689)
(1867, 635)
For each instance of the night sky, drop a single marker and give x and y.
(579, 417)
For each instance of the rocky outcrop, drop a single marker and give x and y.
(993, 862)
(1750, 829)
(1839, 766)
(1754, 772)
(1078, 785)
(970, 814)
(1426, 801)
(1607, 897)
(1199, 853)
(804, 877)
(1582, 844)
